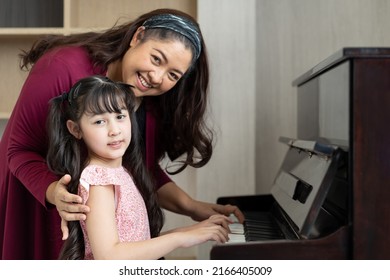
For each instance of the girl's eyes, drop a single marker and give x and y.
(118, 117)
(121, 117)
(99, 122)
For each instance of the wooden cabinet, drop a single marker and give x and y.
(78, 16)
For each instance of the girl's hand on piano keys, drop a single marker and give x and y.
(219, 220)
(216, 219)
(215, 228)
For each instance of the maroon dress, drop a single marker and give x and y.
(30, 226)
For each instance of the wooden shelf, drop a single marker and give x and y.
(4, 116)
(33, 32)
(25, 32)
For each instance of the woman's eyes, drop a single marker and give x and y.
(174, 76)
(156, 59)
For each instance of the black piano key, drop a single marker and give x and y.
(261, 226)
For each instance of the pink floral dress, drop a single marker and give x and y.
(130, 213)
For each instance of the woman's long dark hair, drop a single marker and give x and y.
(67, 155)
(183, 131)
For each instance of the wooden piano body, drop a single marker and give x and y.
(344, 101)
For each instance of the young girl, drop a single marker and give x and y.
(93, 136)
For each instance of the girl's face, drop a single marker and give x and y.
(107, 136)
(154, 66)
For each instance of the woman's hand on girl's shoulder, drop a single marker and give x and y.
(69, 206)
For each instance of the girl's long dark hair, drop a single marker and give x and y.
(67, 155)
(183, 131)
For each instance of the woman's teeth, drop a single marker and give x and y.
(143, 82)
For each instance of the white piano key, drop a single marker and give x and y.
(237, 231)
(236, 228)
(235, 238)
(233, 218)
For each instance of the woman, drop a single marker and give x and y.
(163, 56)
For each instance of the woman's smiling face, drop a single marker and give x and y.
(154, 66)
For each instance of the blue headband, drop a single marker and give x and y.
(177, 24)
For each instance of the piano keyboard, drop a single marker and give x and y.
(257, 226)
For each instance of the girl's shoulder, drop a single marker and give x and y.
(102, 175)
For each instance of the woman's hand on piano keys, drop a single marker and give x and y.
(232, 211)
(202, 210)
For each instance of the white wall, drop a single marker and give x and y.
(228, 28)
(229, 31)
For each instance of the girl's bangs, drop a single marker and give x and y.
(105, 100)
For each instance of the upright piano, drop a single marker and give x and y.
(331, 196)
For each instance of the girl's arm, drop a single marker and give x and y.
(103, 235)
(211, 221)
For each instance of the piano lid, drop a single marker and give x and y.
(303, 181)
(340, 56)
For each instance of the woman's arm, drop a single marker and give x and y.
(174, 199)
(103, 235)
(27, 144)
(53, 74)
